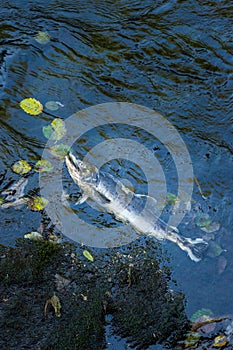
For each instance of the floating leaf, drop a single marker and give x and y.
(35, 236)
(21, 167)
(222, 263)
(56, 129)
(88, 255)
(212, 227)
(214, 249)
(201, 312)
(42, 37)
(192, 339)
(171, 198)
(203, 220)
(1, 200)
(56, 305)
(59, 128)
(31, 106)
(53, 105)
(47, 131)
(220, 341)
(60, 150)
(37, 203)
(43, 165)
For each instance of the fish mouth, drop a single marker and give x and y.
(72, 163)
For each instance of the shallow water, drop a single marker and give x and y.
(171, 56)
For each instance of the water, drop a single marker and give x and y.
(171, 56)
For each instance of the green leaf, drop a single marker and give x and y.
(42, 37)
(60, 150)
(212, 227)
(53, 105)
(43, 165)
(171, 198)
(202, 220)
(59, 127)
(56, 130)
(1, 200)
(47, 131)
(21, 167)
(37, 203)
(88, 255)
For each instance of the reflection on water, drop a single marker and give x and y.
(171, 56)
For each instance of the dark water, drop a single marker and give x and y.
(171, 56)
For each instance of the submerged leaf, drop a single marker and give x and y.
(203, 220)
(21, 167)
(53, 105)
(88, 255)
(37, 203)
(214, 249)
(42, 37)
(212, 227)
(61, 150)
(43, 165)
(31, 106)
(171, 198)
(192, 339)
(47, 131)
(200, 313)
(56, 305)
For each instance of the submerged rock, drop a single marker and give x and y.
(130, 285)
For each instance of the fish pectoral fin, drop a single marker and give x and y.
(101, 198)
(148, 198)
(82, 199)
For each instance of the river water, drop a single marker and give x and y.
(174, 57)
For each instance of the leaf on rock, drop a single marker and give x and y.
(220, 341)
(192, 339)
(21, 167)
(43, 165)
(35, 236)
(37, 203)
(56, 305)
(42, 37)
(88, 255)
(31, 106)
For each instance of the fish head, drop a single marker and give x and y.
(81, 172)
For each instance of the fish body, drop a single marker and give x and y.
(136, 209)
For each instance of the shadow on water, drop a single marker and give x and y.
(171, 56)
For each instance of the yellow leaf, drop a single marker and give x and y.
(56, 305)
(220, 341)
(21, 167)
(31, 106)
(37, 203)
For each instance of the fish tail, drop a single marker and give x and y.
(195, 248)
